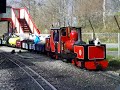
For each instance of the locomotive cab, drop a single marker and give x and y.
(61, 42)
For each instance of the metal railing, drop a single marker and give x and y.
(16, 22)
(112, 41)
(25, 15)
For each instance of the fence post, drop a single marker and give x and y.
(118, 45)
(92, 36)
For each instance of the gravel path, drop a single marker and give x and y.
(65, 76)
(13, 78)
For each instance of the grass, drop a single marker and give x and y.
(114, 63)
(109, 57)
(112, 49)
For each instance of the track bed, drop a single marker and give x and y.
(63, 76)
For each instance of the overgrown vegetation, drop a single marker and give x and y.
(112, 49)
(114, 63)
(46, 13)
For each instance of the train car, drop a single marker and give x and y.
(26, 44)
(66, 43)
(12, 40)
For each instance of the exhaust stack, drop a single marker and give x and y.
(79, 42)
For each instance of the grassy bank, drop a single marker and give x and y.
(112, 49)
(114, 63)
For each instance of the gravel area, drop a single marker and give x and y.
(13, 78)
(65, 76)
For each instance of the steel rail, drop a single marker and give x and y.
(18, 62)
(107, 74)
(104, 73)
(110, 75)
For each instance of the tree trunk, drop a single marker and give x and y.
(104, 16)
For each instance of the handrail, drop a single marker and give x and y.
(38, 31)
(25, 15)
(18, 16)
(16, 22)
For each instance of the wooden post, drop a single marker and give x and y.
(118, 36)
(8, 27)
(118, 45)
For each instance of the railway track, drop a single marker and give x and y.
(38, 79)
(21, 61)
(109, 74)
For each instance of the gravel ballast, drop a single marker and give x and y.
(65, 76)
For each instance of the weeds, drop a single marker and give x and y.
(114, 63)
(112, 49)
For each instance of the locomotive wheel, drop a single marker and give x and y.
(56, 57)
(64, 60)
(78, 63)
(48, 54)
(51, 55)
(98, 67)
(73, 62)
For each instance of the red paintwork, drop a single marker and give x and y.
(18, 21)
(64, 38)
(58, 47)
(67, 31)
(73, 62)
(74, 35)
(38, 31)
(18, 44)
(70, 45)
(78, 63)
(56, 57)
(92, 66)
(52, 44)
(47, 46)
(10, 20)
(79, 50)
(96, 52)
(18, 9)
(6, 19)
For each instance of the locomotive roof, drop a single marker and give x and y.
(55, 28)
(60, 28)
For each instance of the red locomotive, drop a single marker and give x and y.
(66, 43)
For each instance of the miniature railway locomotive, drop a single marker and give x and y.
(66, 43)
